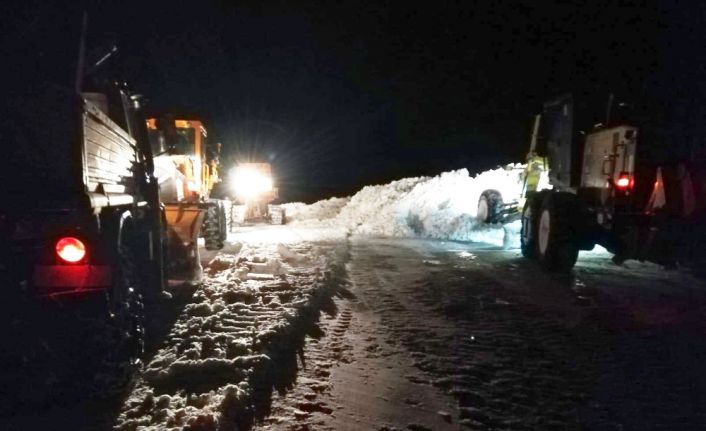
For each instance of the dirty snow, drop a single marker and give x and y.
(210, 367)
(440, 207)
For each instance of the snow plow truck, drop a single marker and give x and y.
(186, 168)
(617, 184)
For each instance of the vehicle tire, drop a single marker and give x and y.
(528, 232)
(489, 206)
(222, 221)
(556, 247)
(228, 213)
(211, 229)
(121, 345)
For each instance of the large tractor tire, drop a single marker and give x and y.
(489, 206)
(228, 215)
(212, 231)
(557, 249)
(223, 220)
(528, 233)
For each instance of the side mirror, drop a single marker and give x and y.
(138, 101)
(214, 153)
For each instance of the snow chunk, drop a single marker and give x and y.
(291, 256)
(222, 262)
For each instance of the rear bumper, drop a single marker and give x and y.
(60, 279)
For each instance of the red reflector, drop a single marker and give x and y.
(70, 249)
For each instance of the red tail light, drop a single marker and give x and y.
(70, 249)
(623, 182)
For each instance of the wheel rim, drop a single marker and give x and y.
(544, 228)
(482, 209)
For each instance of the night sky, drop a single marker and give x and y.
(338, 95)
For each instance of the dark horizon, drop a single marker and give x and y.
(340, 96)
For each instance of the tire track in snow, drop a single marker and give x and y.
(508, 367)
(350, 378)
(309, 404)
(236, 341)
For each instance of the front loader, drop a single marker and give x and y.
(187, 171)
(253, 191)
(610, 187)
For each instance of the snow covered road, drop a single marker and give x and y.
(311, 328)
(442, 335)
(363, 313)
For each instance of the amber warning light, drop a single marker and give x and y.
(70, 249)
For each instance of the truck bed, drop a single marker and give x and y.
(109, 154)
(59, 146)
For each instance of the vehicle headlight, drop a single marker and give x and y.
(248, 182)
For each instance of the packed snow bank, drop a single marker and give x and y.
(312, 231)
(441, 207)
(320, 210)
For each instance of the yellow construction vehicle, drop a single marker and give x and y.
(187, 170)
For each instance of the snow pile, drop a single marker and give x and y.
(441, 207)
(321, 210)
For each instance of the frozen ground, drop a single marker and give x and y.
(446, 335)
(302, 328)
(365, 313)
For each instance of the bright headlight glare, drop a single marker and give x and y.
(248, 182)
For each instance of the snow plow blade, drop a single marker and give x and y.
(183, 227)
(183, 222)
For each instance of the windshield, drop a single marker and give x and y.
(185, 141)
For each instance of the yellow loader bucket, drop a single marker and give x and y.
(183, 222)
